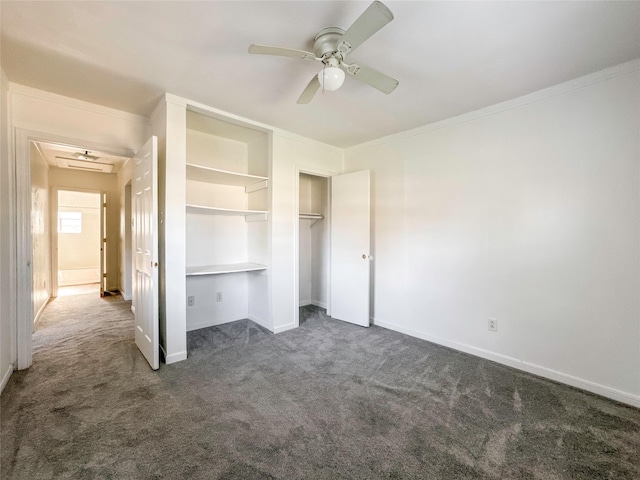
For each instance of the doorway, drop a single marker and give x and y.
(313, 245)
(80, 256)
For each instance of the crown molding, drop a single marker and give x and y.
(622, 69)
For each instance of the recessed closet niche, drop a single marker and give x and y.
(313, 240)
(227, 243)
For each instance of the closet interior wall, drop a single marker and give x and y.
(313, 240)
(227, 247)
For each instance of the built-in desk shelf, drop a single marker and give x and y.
(220, 269)
(224, 177)
(250, 215)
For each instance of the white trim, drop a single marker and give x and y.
(24, 274)
(6, 377)
(211, 323)
(564, 378)
(41, 310)
(175, 357)
(79, 104)
(36, 136)
(319, 304)
(259, 321)
(284, 328)
(546, 93)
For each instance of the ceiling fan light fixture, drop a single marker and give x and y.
(331, 78)
(85, 156)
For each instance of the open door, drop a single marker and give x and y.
(350, 244)
(145, 247)
(103, 244)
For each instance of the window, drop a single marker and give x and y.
(69, 222)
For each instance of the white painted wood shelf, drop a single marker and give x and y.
(206, 210)
(221, 269)
(223, 177)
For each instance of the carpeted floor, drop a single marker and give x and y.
(325, 401)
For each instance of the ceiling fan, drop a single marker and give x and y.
(85, 156)
(331, 47)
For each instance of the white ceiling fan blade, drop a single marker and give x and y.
(372, 77)
(376, 16)
(281, 52)
(310, 90)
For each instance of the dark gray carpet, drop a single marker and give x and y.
(325, 401)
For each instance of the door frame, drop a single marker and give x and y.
(53, 202)
(24, 275)
(296, 242)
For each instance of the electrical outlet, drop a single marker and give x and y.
(219, 297)
(191, 301)
(493, 325)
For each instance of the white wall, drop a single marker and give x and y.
(91, 125)
(290, 155)
(40, 232)
(125, 251)
(7, 242)
(170, 117)
(526, 212)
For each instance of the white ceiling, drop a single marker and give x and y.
(63, 156)
(450, 57)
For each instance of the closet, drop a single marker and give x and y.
(313, 240)
(227, 217)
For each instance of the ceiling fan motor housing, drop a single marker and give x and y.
(326, 41)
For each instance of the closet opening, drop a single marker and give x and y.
(313, 246)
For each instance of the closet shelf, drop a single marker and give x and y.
(223, 177)
(220, 269)
(202, 209)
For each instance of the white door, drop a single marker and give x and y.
(145, 240)
(350, 258)
(103, 243)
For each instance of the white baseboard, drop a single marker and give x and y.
(306, 303)
(284, 328)
(260, 322)
(210, 323)
(133, 309)
(5, 377)
(612, 393)
(175, 357)
(40, 310)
